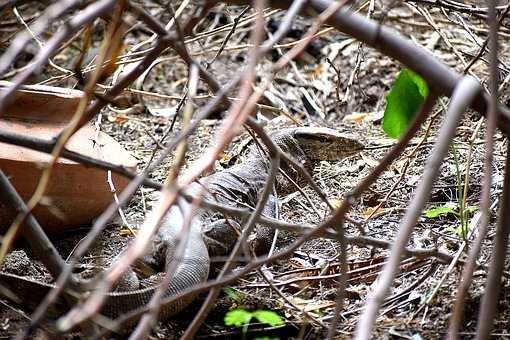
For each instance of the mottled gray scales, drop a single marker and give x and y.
(211, 234)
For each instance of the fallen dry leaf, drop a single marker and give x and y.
(310, 305)
(336, 202)
(319, 69)
(357, 117)
(374, 212)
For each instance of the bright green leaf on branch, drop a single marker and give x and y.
(436, 212)
(268, 317)
(237, 317)
(403, 102)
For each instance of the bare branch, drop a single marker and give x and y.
(31, 230)
(465, 92)
(440, 78)
(95, 10)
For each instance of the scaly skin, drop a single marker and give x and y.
(211, 235)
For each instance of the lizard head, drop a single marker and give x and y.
(321, 143)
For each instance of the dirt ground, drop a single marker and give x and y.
(349, 97)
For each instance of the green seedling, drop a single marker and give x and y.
(241, 318)
(403, 102)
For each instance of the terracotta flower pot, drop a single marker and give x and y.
(76, 193)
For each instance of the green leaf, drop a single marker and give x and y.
(403, 102)
(472, 209)
(268, 316)
(236, 296)
(266, 338)
(237, 317)
(436, 212)
(419, 82)
(459, 231)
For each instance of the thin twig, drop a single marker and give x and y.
(465, 92)
(488, 305)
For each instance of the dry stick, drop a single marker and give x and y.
(146, 323)
(227, 37)
(112, 38)
(176, 44)
(133, 49)
(490, 299)
(439, 76)
(467, 89)
(342, 284)
(37, 40)
(131, 316)
(400, 294)
(123, 198)
(287, 301)
(46, 146)
(357, 65)
(84, 17)
(467, 274)
(412, 287)
(339, 226)
(486, 42)
(463, 9)
(103, 219)
(148, 319)
(489, 302)
(234, 120)
(21, 40)
(425, 13)
(31, 230)
(248, 228)
(360, 274)
(93, 304)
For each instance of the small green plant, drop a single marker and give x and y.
(405, 98)
(463, 228)
(237, 317)
(439, 211)
(240, 317)
(238, 297)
